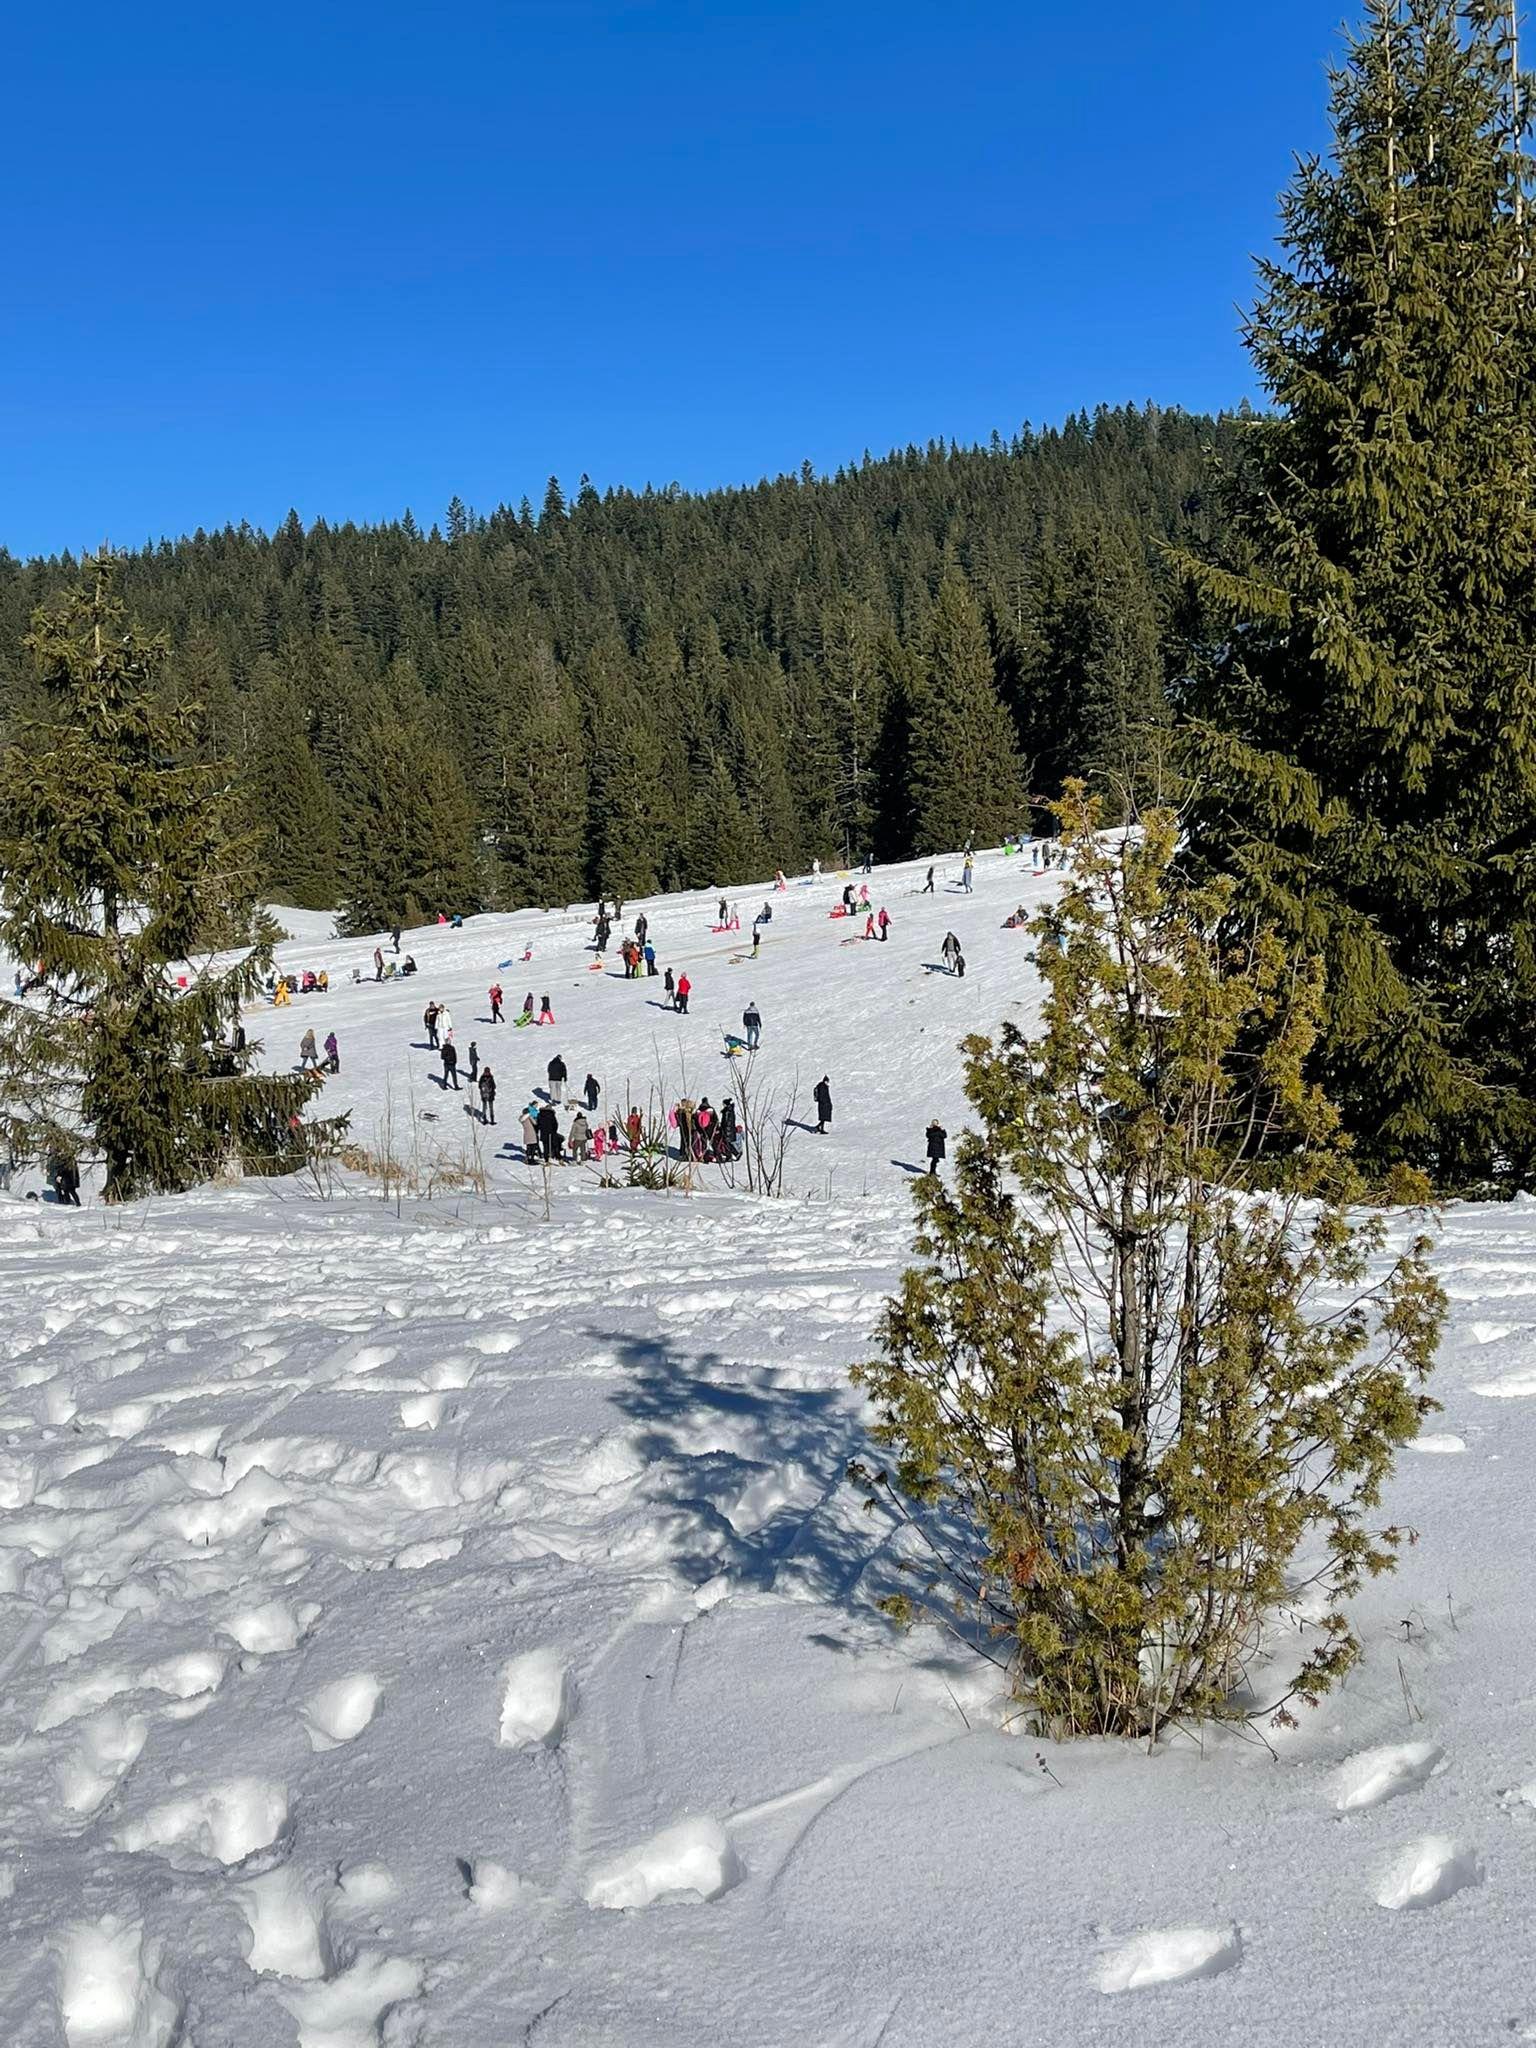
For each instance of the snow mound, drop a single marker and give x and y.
(107, 1991)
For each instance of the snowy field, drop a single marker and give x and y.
(432, 1623)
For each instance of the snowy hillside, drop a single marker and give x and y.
(452, 1626)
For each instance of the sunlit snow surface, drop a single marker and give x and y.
(452, 1626)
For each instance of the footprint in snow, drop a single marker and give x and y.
(538, 1696)
(1427, 1872)
(1376, 1775)
(342, 1710)
(1169, 1955)
(694, 1861)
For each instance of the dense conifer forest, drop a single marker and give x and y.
(628, 690)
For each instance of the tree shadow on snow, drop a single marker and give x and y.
(750, 1473)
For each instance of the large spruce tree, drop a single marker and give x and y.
(123, 864)
(1365, 720)
(965, 777)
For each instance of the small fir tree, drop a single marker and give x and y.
(123, 861)
(1141, 1377)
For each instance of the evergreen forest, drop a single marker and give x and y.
(627, 691)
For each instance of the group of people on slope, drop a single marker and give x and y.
(309, 1056)
(282, 988)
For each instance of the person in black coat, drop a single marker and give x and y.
(449, 1054)
(592, 1091)
(937, 1138)
(487, 1096)
(557, 1076)
(823, 1092)
(548, 1126)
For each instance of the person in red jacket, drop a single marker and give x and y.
(884, 922)
(495, 995)
(681, 995)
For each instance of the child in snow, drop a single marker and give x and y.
(332, 1053)
(495, 995)
(869, 926)
(546, 1014)
(527, 1016)
(884, 922)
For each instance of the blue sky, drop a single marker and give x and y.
(352, 258)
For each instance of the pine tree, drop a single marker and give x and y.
(1142, 1360)
(289, 804)
(407, 828)
(123, 864)
(626, 797)
(539, 824)
(965, 776)
(722, 847)
(1365, 738)
(1095, 699)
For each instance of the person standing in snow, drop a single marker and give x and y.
(935, 1137)
(530, 1131)
(729, 1147)
(64, 1179)
(450, 1058)
(869, 925)
(722, 911)
(332, 1053)
(752, 1024)
(823, 1094)
(869, 863)
(670, 986)
(634, 1130)
(580, 1137)
(680, 997)
(549, 1132)
(394, 937)
(487, 1096)
(958, 969)
(556, 1075)
(757, 938)
(546, 1014)
(528, 1007)
(967, 874)
(429, 1018)
(948, 950)
(308, 1057)
(848, 899)
(650, 959)
(495, 995)
(592, 1091)
(884, 922)
(927, 888)
(474, 1063)
(642, 926)
(378, 963)
(444, 1020)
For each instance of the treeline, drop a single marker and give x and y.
(631, 691)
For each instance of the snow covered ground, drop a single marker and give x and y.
(435, 1623)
